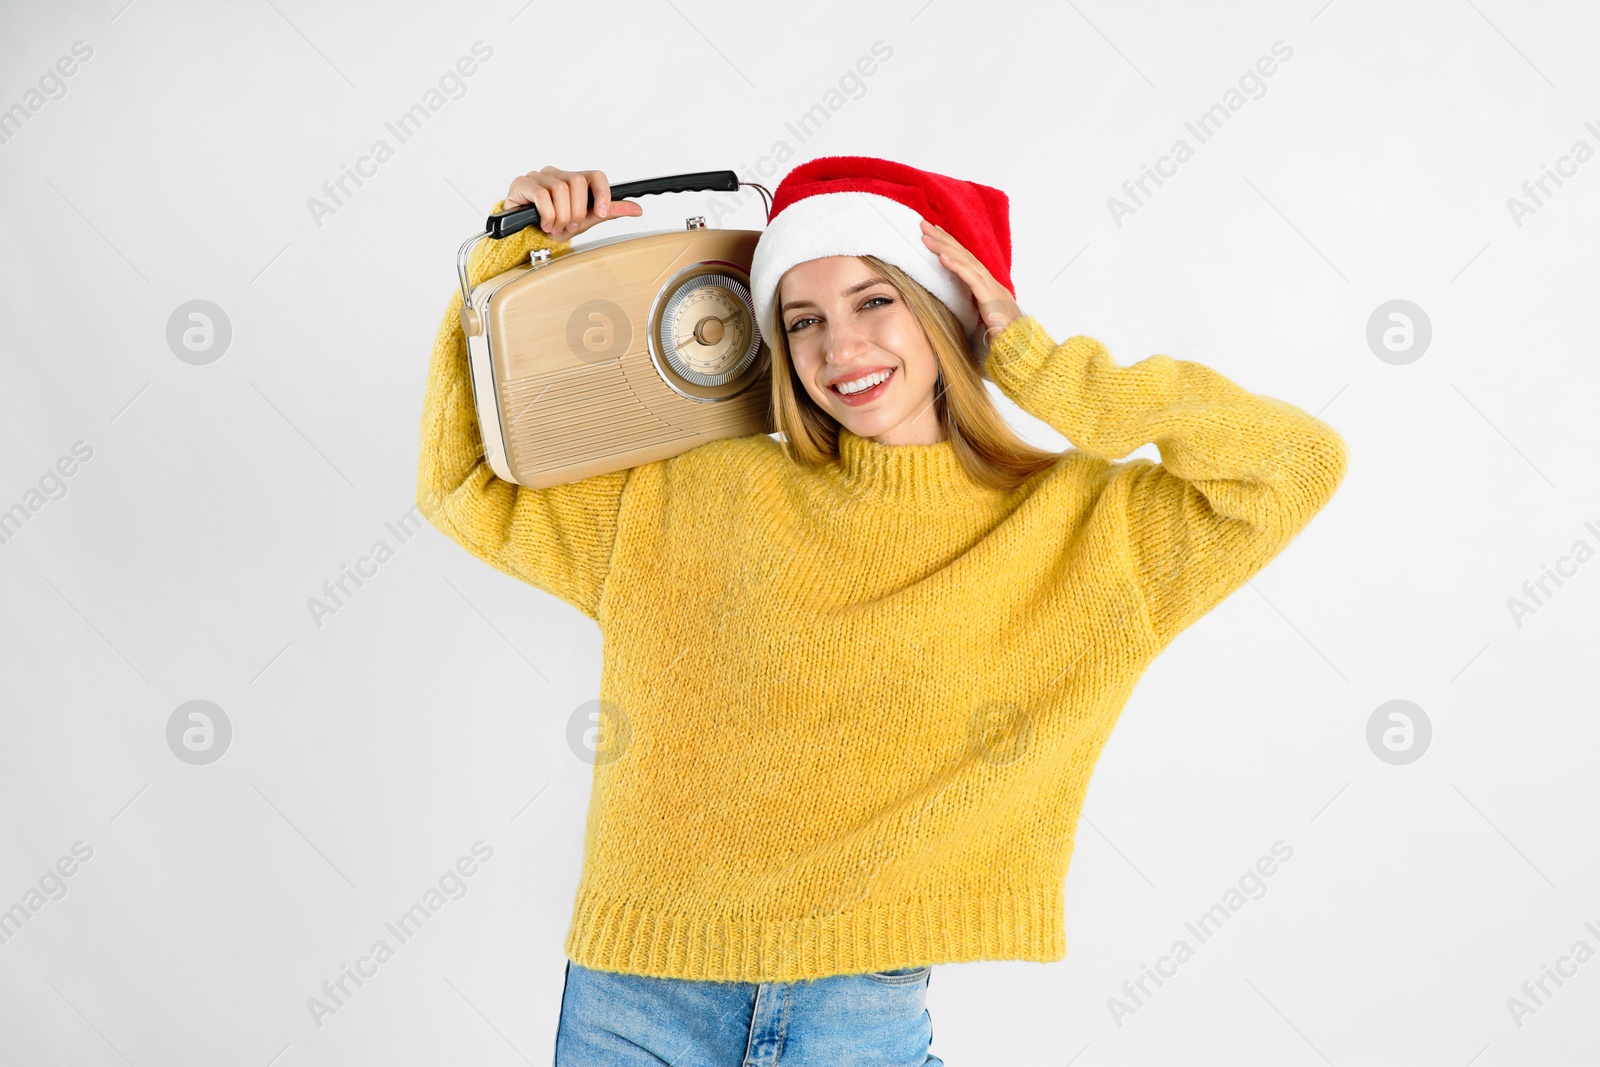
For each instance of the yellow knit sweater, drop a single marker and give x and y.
(854, 711)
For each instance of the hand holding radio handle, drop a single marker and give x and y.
(549, 197)
(563, 203)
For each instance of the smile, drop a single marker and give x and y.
(865, 388)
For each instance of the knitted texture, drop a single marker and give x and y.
(852, 712)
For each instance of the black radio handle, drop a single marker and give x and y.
(517, 219)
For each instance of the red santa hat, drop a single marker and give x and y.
(860, 205)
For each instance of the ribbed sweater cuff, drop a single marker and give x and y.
(1016, 354)
(616, 935)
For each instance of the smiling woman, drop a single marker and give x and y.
(862, 345)
(867, 671)
(851, 332)
(857, 287)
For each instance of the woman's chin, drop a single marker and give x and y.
(866, 423)
(873, 418)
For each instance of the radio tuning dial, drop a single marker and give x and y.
(708, 331)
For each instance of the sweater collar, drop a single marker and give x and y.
(903, 474)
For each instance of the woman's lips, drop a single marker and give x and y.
(866, 396)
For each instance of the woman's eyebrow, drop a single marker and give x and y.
(856, 288)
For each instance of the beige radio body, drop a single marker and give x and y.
(571, 373)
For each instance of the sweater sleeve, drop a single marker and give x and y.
(558, 539)
(1240, 474)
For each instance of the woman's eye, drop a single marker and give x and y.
(798, 323)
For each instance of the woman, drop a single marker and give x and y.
(856, 680)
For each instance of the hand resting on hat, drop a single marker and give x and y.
(996, 308)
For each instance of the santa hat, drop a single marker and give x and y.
(860, 205)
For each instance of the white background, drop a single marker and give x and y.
(430, 712)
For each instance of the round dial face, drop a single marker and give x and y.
(708, 329)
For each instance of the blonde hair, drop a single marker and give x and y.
(988, 448)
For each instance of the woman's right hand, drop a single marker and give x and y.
(562, 197)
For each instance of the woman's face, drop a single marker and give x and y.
(845, 323)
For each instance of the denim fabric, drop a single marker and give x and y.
(859, 1020)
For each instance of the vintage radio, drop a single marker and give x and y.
(624, 350)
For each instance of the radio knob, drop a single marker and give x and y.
(695, 222)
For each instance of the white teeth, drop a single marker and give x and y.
(861, 384)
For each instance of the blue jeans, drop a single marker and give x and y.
(860, 1020)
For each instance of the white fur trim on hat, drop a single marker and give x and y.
(851, 224)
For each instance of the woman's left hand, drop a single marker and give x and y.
(996, 308)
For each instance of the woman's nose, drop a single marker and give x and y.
(845, 344)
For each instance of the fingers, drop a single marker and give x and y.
(604, 206)
(951, 253)
(948, 247)
(561, 212)
(995, 305)
(521, 191)
(533, 188)
(577, 203)
(546, 189)
(562, 199)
